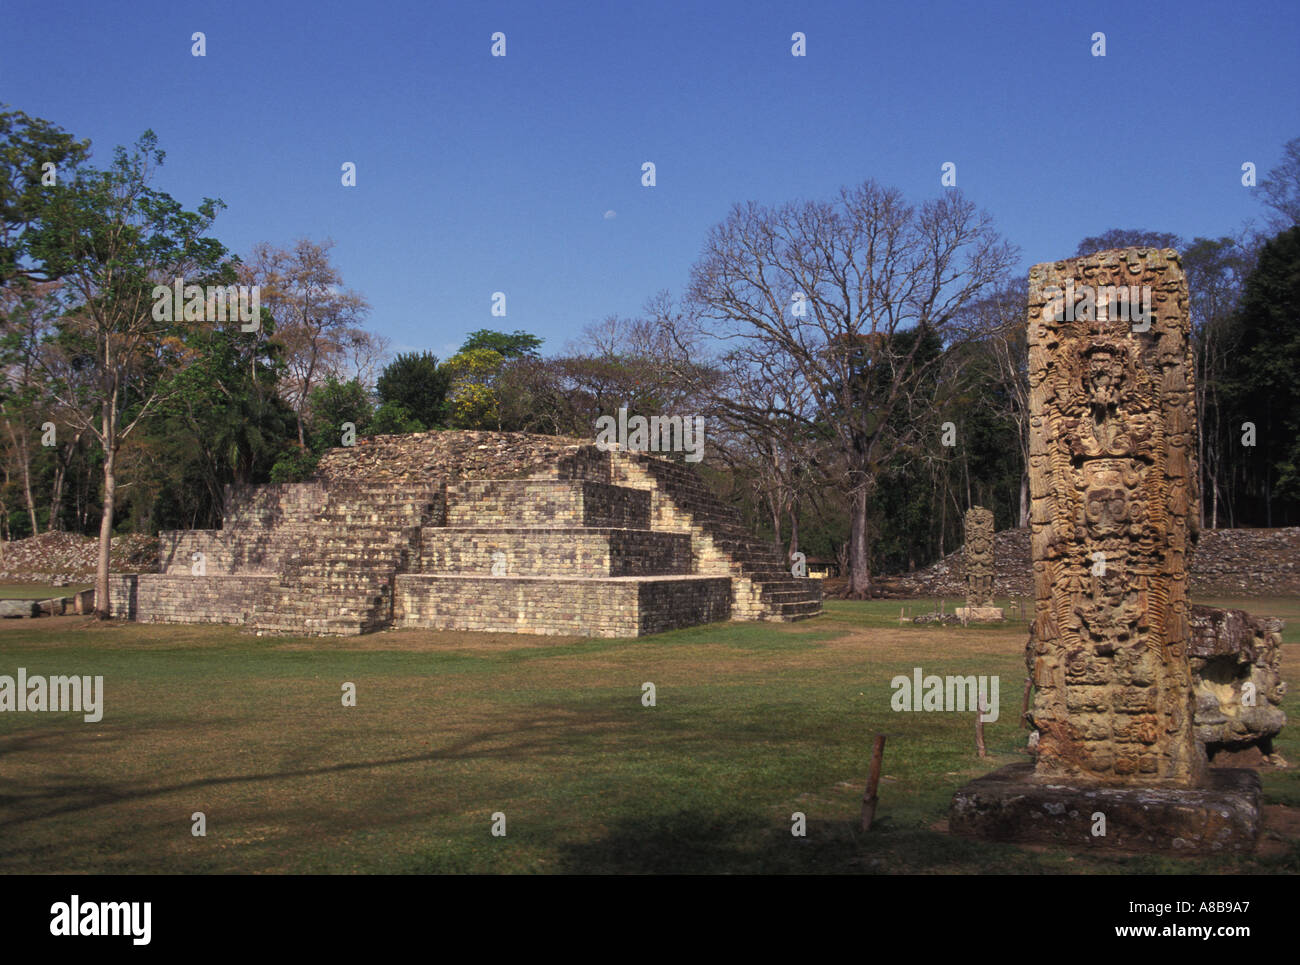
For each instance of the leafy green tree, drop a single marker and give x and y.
(519, 344)
(112, 239)
(32, 151)
(223, 421)
(1260, 386)
(393, 418)
(419, 384)
(472, 398)
(335, 404)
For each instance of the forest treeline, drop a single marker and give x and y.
(860, 362)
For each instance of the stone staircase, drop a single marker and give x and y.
(339, 578)
(763, 587)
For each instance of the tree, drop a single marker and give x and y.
(1280, 190)
(1001, 321)
(393, 418)
(223, 421)
(1259, 383)
(472, 398)
(829, 285)
(316, 321)
(113, 239)
(517, 345)
(334, 404)
(418, 383)
(32, 151)
(474, 395)
(1216, 272)
(1127, 238)
(26, 313)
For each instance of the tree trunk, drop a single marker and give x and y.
(943, 515)
(25, 458)
(56, 494)
(794, 528)
(1024, 499)
(859, 587)
(103, 605)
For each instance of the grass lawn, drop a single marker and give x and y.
(752, 722)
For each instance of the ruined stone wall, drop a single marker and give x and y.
(423, 456)
(1113, 486)
(1228, 562)
(199, 599)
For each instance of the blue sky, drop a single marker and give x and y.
(478, 174)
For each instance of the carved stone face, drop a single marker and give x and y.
(1102, 377)
(1107, 510)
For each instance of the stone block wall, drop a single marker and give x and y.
(552, 552)
(544, 503)
(546, 605)
(199, 599)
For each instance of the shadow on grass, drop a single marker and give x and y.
(746, 842)
(51, 794)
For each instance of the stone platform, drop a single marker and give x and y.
(1011, 804)
(979, 614)
(472, 531)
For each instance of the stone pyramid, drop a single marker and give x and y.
(473, 531)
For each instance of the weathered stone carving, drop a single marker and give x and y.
(1113, 486)
(979, 557)
(1112, 482)
(1236, 669)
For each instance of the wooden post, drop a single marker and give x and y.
(979, 726)
(873, 781)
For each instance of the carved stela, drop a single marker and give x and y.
(1113, 486)
(979, 557)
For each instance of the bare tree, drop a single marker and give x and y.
(1216, 273)
(316, 321)
(1280, 190)
(851, 292)
(999, 323)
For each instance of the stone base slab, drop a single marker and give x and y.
(609, 607)
(979, 614)
(1011, 804)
